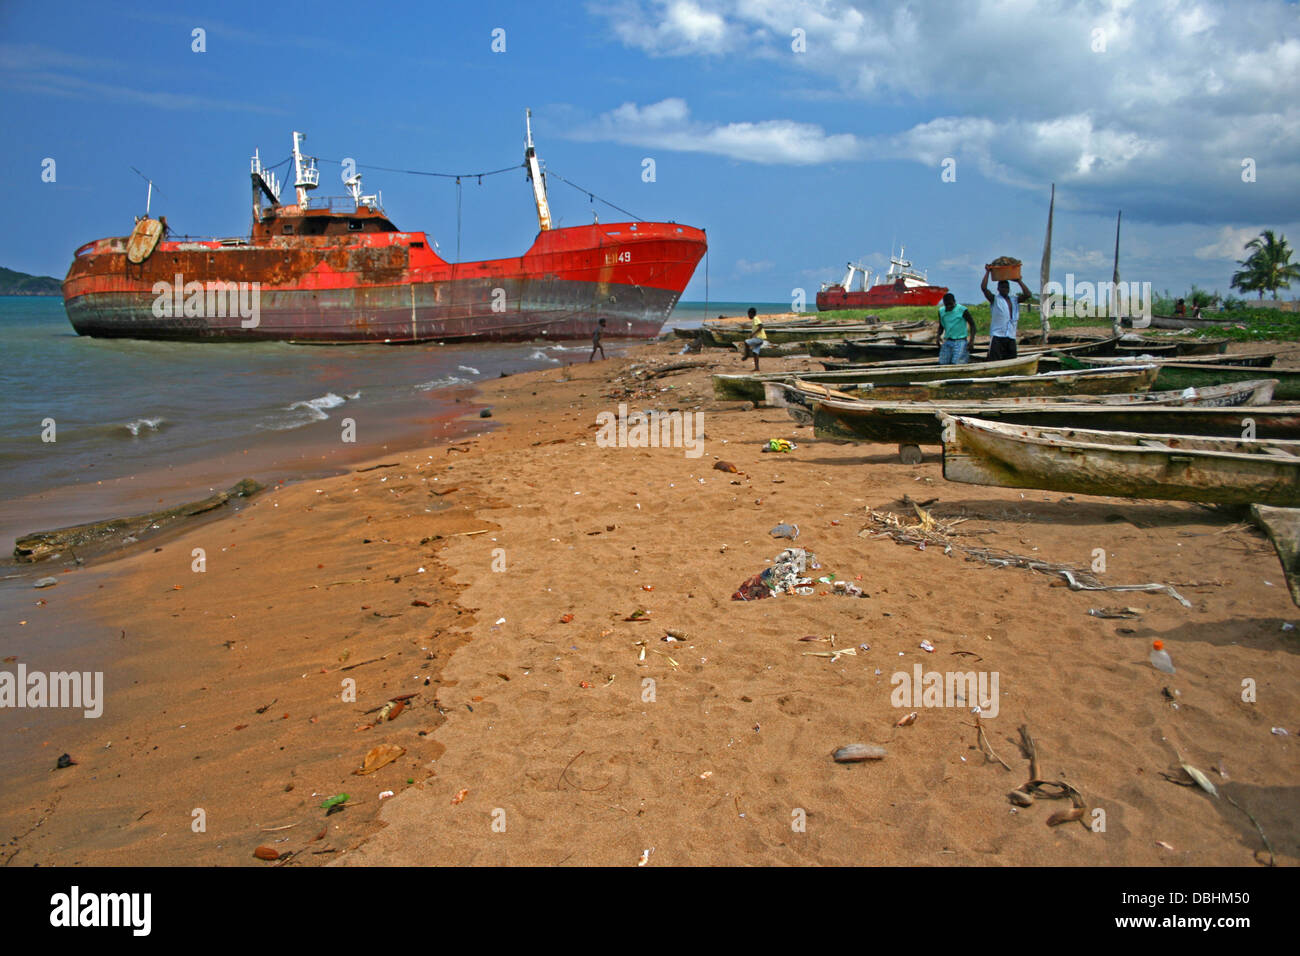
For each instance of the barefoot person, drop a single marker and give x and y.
(757, 338)
(595, 342)
(1005, 313)
(956, 332)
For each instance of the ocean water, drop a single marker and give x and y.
(136, 421)
(690, 315)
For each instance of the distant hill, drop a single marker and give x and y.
(20, 283)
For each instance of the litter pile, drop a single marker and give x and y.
(786, 576)
(783, 577)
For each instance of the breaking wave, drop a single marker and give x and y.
(144, 425)
(444, 382)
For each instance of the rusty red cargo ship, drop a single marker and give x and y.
(329, 272)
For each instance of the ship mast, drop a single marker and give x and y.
(305, 177)
(535, 176)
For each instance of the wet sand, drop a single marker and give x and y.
(538, 738)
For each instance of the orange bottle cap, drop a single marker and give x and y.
(1159, 645)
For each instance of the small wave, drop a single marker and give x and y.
(144, 424)
(316, 406)
(444, 382)
(540, 356)
(466, 368)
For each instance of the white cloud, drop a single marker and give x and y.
(745, 267)
(1231, 244)
(668, 125)
(1160, 120)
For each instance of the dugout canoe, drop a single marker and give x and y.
(1121, 464)
(1282, 525)
(749, 387)
(916, 423)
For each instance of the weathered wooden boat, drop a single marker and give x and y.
(801, 395)
(1182, 322)
(1193, 347)
(1094, 381)
(915, 423)
(880, 350)
(1121, 464)
(867, 355)
(777, 349)
(1282, 525)
(750, 387)
(1239, 359)
(1182, 374)
(725, 335)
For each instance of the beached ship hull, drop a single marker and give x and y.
(386, 287)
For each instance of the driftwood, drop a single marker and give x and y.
(48, 544)
(644, 372)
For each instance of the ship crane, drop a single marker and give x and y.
(535, 176)
(305, 176)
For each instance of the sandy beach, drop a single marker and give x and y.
(513, 591)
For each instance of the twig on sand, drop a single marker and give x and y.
(936, 531)
(391, 464)
(983, 743)
(363, 663)
(1272, 857)
(564, 777)
(1030, 750)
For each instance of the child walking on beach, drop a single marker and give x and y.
(595, 342)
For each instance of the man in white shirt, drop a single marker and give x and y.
(1005, 313)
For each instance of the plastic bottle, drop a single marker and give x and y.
(1160, 658)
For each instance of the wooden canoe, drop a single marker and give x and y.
(916, 423)
(1121, 464)
(1282, 525)
(1238, 394)
(1092, 381)
(725, 335)
(750, 387)
(862, 354)
(1239, 360)
(1182, 322)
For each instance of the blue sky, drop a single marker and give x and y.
(794, 160)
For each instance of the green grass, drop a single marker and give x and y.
(980, 313)
(1246, 325)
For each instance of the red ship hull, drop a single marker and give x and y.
(388, 287)
(880, 297)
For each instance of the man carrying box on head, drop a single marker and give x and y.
(1005, 313)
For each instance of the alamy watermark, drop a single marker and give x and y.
(208, 300)
(24, 688)
(1089, 300)
(946, 689)
(652, 429)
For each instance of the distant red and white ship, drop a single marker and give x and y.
(901, 285)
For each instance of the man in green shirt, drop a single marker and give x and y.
(956, 332)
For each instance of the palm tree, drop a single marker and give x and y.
(1268, 268)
